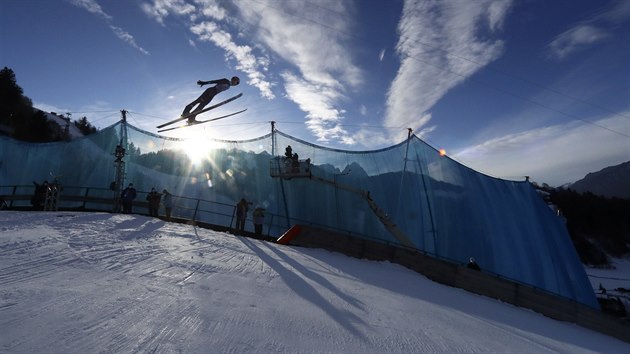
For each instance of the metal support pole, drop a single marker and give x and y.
(119, 153)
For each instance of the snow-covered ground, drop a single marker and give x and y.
(99, 282)
(616, 280)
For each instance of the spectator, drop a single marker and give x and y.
(154, 202)
(295, 163)
(241, 214)
(259, 219)
(39, 196)
(288, 158)
(168, 204)
(127, 197)
(288, 152)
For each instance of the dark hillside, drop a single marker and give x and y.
(611, 182)
(597, 225)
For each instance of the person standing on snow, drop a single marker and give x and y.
(128, 195)
(259, 219)
(207, 96)
(154, 202)
(241, 214)
(168, 204)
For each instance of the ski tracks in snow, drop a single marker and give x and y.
(99, 282)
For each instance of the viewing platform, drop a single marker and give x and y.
(282, 167)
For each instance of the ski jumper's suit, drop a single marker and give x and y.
(205, 98)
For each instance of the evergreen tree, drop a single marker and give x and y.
(10, 92)
(13, 105)
(18, 115)
(84, 126)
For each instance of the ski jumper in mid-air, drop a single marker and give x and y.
(207, 96)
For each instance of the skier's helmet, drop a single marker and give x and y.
(235, 80)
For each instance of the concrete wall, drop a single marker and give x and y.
(471, 280)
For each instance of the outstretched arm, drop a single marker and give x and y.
(201, 83)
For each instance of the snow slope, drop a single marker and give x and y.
(72, 129)
(99, 282)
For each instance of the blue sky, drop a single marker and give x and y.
(509, 88)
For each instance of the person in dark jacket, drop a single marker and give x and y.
(168, 204)
(241, 214)
(154, 202)
(207, 96)
(259, 219)
(127, 197)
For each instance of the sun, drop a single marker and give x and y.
(197, 147)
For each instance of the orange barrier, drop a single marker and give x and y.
(289, 235)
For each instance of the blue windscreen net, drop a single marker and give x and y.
(407, 195)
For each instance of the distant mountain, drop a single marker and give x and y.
(613, 181)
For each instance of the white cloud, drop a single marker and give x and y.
(381, 55)
(243, 54)
(323, 117)
(160, 9)
(308, 36)
(216, 33)
(316, 49)
(497, 12)
(126, 37)
(212, 9)
(313, 39)
(589, 32)
(575, 38)
(554, 154)
(93, 7)
(440, 45)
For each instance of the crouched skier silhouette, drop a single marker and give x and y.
(207, 96)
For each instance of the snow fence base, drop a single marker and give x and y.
(460, 276)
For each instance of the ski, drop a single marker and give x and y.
(203, 110)
(201, 121)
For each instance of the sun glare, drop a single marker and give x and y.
(197, 148)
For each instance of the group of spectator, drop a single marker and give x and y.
(242, 207)
(291, 160)
(42, 191)
(153, 198)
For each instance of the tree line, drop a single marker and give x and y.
(21, 121)
(598, 226)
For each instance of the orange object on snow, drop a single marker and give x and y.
(289, 235)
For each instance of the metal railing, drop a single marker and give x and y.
(216, 215)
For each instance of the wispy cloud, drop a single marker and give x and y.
(161, 9)
(126, 37)
(440, 46)
(575, 38)
(381, 55)
(308, 38)
(554, 154)
(589, 32)
(312, 40)
(208, 20)
(93, 7)
(244, 56)
(322, 117)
